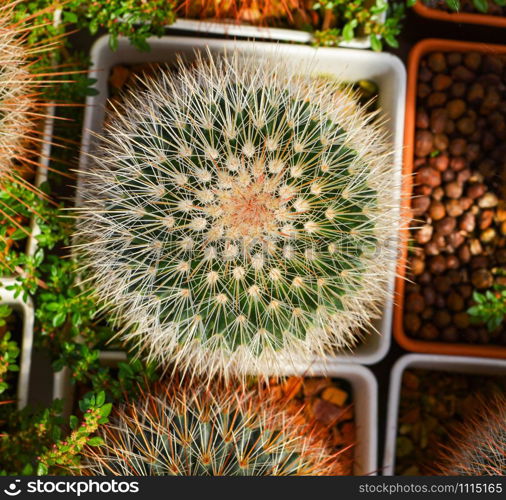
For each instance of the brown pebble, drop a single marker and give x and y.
(452, 262)
(454, 58)
(424, 234)
(440, 162)
(437, 62)
(437, 264)
(453, 190)
(428, 176)
(423, 142)
(461, 320)
(453, 208)
(420, 205)
(458, 147)
(488, 236)
(461, 73)
(442, 318)
(472, 60)
(445, 226)
(429, 332)
(455, 302)
(441, 82)
(465, 125)
(458, 89)
(476, 191)
(456, 239)
(441, 142)
(464, 253)
(415, 303)
(422, 118)
(455, 108)
(442, 284)
(417, 266)
(486, 218)
(458, 163)
(482, 278)
(437, 210)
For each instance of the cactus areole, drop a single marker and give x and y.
(239, 214)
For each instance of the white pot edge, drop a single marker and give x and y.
(460, 364)
(26, 347)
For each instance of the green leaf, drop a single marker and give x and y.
(19, 234)
(74, 422)
(96, 441)
(42, 470)
(348, 30)
(105, 410)
(391, 40)
(59, 319)
(473, 311)
(70, 17)
(100, 398)
(410, 3)
(375, 43)
(481, 5)
(453, 4)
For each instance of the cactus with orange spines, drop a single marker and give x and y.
(187, 429)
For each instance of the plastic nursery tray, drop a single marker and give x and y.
(231, 28)
(456, 364)
(349, 65)
(458, 17)
(460, 349)
(64, 389)
(25, 309)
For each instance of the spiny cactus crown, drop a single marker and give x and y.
(183, 430)
(247, 10)
(480, 449)
(233, 216)
(15, 90)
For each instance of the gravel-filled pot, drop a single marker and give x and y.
(454, 194)
(422, 9)
(348, 65)
(24, 338)
(458, 365)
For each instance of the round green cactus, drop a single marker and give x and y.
(239, 216)
(187, 430)
(480, 448)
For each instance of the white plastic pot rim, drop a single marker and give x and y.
(457, 364)
(28, 319)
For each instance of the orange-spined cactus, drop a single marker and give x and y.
(480, 448)
(254, 11)
(186, 429)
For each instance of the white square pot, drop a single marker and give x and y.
(456, 364)
(386, 70)
(25, 309)
(234, 29)
(41, 176)
(365, 402)
(364, 394)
